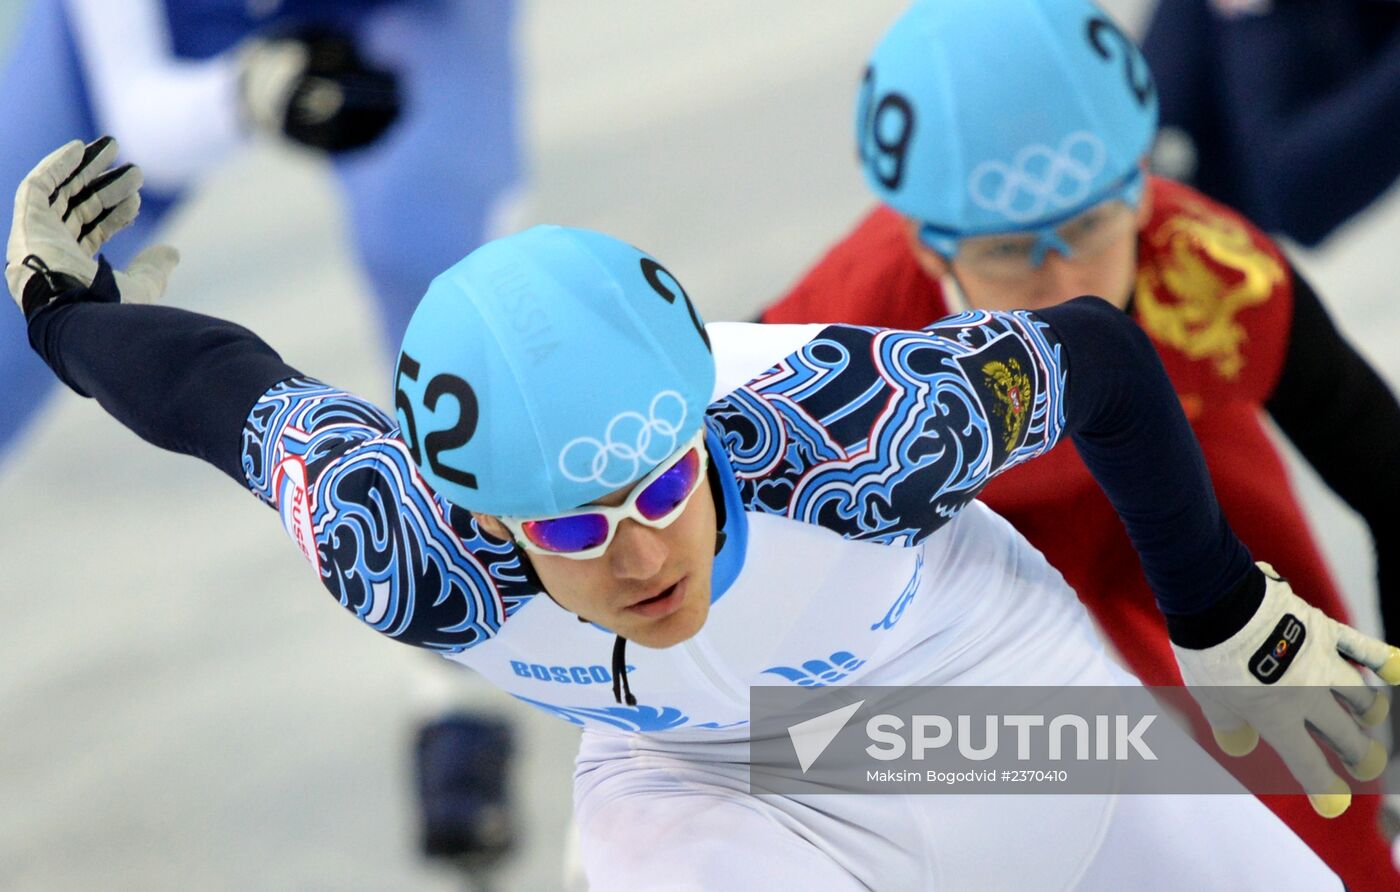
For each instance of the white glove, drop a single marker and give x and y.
(1276, 678)
(65, 210)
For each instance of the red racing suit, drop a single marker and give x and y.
(1216, 296)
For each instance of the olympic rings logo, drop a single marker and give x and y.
(1040, 178)
(631, 443)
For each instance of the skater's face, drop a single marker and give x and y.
(995, 272)
(651, 585)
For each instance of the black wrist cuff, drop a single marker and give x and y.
(47, 288)
(1222, 619)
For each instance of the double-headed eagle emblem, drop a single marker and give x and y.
(1012, 388)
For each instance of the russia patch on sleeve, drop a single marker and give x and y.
(294, 505)
(1003, 377)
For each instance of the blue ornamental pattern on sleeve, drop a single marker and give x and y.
(404, 561)
(884, 435)
(337, 418)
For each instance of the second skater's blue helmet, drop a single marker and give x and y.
(980, 116)
(547, 369)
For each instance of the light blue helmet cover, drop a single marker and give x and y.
(547, 369)
(981, 116)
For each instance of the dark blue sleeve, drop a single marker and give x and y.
(1345, 421)
(182, 381)
(1124, 418)
(403, 561)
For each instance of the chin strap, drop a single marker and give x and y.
(721, 513)
(619, 671)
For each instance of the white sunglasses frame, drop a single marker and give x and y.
(615, 514)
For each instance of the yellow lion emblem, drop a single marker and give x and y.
(1211, 270)
(1012, 388)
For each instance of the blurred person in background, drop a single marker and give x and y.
(1285, 110)
(412, 103)
(1021, 184)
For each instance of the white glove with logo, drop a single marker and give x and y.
(1280, 676)
(65, 210)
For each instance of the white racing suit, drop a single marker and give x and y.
(845, 465)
